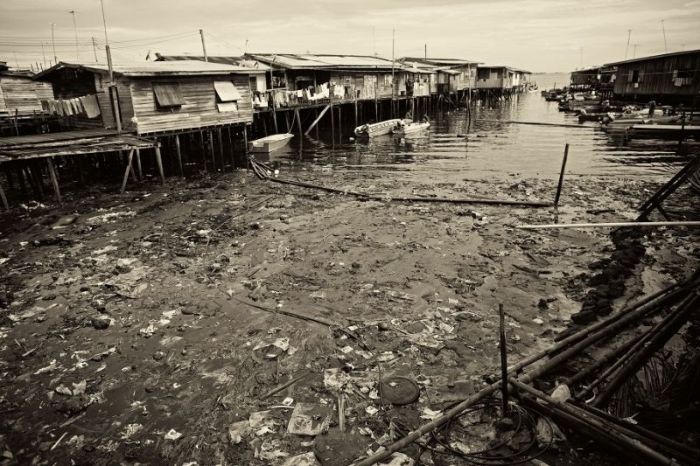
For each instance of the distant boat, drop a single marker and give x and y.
(270, 143)
(376, 129)
(410, 128)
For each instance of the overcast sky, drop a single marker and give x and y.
(538, 35)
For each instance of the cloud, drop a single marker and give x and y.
(533, 34)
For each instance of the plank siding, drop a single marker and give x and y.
(23, 95)
(656, 76)
(199, 109)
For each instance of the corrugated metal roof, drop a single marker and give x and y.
(518, 70)
(440, 61)
(235, 61)
(324, 61)
(156, 68)
(653, 57)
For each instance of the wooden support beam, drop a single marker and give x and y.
(221, 150)
(179, 156)
(54, 179)
(318, 118)
(159, 162)
(211, 149)
(3, 198)
(297, 114)
(129, 168)
(138, 164)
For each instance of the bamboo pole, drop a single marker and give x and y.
(610, 326)
(537, 123)
(504, 359)
(610, 225)
(614, 435)
(661, 334)
(413, 199)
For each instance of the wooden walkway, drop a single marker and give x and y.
(75, 143)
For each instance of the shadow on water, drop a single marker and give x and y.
(489, 146)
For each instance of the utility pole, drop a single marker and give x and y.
(204, 46)
(53, 44)
(634, 50)
(663, 29)
(425, 51)
(112, 87)
(43, 54)
(393, 85)
(75, 29)
(627, 49)
(94, 48)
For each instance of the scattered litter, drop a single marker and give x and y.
(309, 419)
(172, 434)
(305, 459)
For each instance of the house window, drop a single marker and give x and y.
(483, 74)
(227, 96)
(168, 96)
(387, 80)
(253, 82)
(683, 77)
(635, 76)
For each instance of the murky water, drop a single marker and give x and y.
(489, 147)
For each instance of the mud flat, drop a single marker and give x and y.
(190, 323)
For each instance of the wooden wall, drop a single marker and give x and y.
(23, 95)
(199, 110)
(493, 81)
(657, 77)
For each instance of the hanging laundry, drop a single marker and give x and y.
(91, 106)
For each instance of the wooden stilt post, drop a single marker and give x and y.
(245, 138)
(159, 162)
(274, 119)
(211, 148)
(179, 156)
(340, 123)
(332, 124)
(221, 150)
(3, 198)
(561, 175)
(139, 168)
(297, 114)
(129, 168)
(356, 125)
(38, 179)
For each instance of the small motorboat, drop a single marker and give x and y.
(402, 128)
(376, 129)
(270, 143)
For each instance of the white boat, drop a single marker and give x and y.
(376, 129)
(410, 128)
(270, 143)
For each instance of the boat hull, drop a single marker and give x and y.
(411, 128)
(376, 129)
(270, 143)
